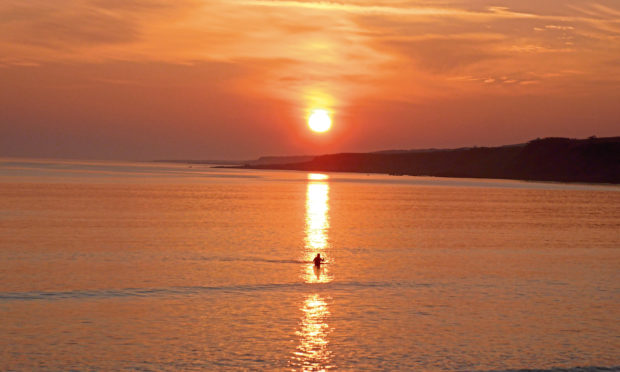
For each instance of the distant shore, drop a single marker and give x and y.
(591, 160)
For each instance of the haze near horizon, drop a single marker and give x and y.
(148, 79)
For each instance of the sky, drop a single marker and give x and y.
(237, 79)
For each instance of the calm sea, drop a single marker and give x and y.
(144, 266)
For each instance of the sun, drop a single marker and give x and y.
(319, 121)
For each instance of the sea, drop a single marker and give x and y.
(142, 266)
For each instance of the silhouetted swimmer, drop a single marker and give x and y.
(317, 260)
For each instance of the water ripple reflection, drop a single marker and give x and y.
(313, 354)
(317, 227)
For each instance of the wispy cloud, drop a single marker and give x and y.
(354, 8)
(428, 42)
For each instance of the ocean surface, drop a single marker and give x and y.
(153, 266)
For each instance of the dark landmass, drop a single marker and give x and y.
(264, 160)
(198, 162)
(269, 160)
(433, 150)
(595, 160)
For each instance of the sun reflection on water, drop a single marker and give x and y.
(312, 354)
(317, 226)
(316, 216)
(317, 177)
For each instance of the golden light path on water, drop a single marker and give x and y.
(317, 227)
(312, 353)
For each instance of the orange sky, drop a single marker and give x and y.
(202, 79)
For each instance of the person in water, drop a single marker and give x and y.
(317, 260)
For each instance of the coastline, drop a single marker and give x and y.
(592, 160)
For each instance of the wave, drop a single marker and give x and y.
(250, 259)
(194, 290)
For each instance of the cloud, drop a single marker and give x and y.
(67, 26)
(413, 48)
(364, 8)
(62, 25)
(443, 54)
(559, 27)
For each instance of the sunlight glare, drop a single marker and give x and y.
(319, 121)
